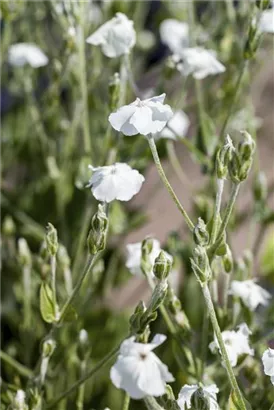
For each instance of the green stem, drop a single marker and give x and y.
(228, 211)
(204, 344)
(87, 376)
(222, 347)
(53, 283)
(83, 79)
(81, 390)
(91, 260)
(217, 208)
(27, 296)
(151, 403)
(126, 402)
(162, 174)
(21, 369)
(236, 93)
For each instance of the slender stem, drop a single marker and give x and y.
(228, 211)
(21, 369)
(91, 260)
(236, 93)
(126, 402)
(151, 403)
(27, 296)
(81, 390)
(83, 78)
(204, 344)
(53, 283)
(166, 182)
(123, 79)
(82, 380)
(67, 280)
(222, 347)
(217, 208)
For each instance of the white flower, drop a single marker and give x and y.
(83, 336)
(134, 255)
(209, 392)
(177, 126)
(118, 181)
(251, 294)
(236, 343)
(199, 62)
(21, 54)
(138, 370)
(266, 22)
(175, 34)
(268, 362)
(116, 37)
(144, 117)
(19, 400)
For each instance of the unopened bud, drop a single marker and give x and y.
(48, 348)
(252, 42)
(98, 232)
(200, 233)
(83, 346)
(200, 264)
(158, 295)
(260, 187)
(8, 226)
(19, 401)
(51, 239)
(114, 91)
(242, 158)
(199, 401)
(24, 252)
(147, 246)
(162, 265)
(246, 147)
(223, 158)
(228, 260)
(136, 319)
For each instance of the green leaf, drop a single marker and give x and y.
(46, 303)
(70, 314)
(234, 405)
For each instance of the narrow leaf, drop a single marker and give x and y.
(46, 303)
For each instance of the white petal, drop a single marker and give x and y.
(122, 116)
(157, 98)
(142, 120)
(157, 340)
(25, 53)
(268, 362)
(150, 380)
(175, 34)
(125, 375)
(185, 394)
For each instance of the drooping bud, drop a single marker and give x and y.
(162, 265)
(223, 158)
(228, 260)
(8, 227)
(147, 246)
(200, 233)
(260, 187)
(98, 233)
(114, 91)
(200, 264)
(24, 252)
(51, 239)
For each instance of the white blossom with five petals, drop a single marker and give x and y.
(250, 293)
(116, 37)
(117, 181)
(268, 362)
(175, 34)
(198, 62)
(208, 392)
(139, 371)
(21, 54)
(236, 343)
(142, 117)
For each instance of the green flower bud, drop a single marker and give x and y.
(262, 4)
(223, 158)
(200, 233)
(174, 303)
(242, 158)
(114, 91)
(19, 401)
(147, 246)
(228, 260)
(162, 266)
(246, 147)
(260, 187)
(136, 319)
(200, 264)
(24, 252)
(48, 347)
(158, 296)
(199, 401)
(252, 43)
(51, 239)
(35, 399)
(8, 226)
(98, 233)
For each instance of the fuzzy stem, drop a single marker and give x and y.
(53, 284)
(217, 208)
(222, 347)
(21, 369)
(81, 390)
(87, 376)
(126, 402)
(162, 174)
(27, 296)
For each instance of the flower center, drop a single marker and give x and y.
(143, 356)
(113, 170)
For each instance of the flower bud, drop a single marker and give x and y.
(51, 239)
(162, 266)
(136, 318)
(8, 227)
(246, 147)
(260, 187)
(147, 246)
(83, 345)
(158, 296)
(262, 4)
(228, 260)
(24, 252)
(200, 264)
(223, 157)
(48, 347)
(114, 91)
(174, 303)
(252, 41)
(19, 401)
(242, 158)
(98, 233)
(199, 401)
(200, 233)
